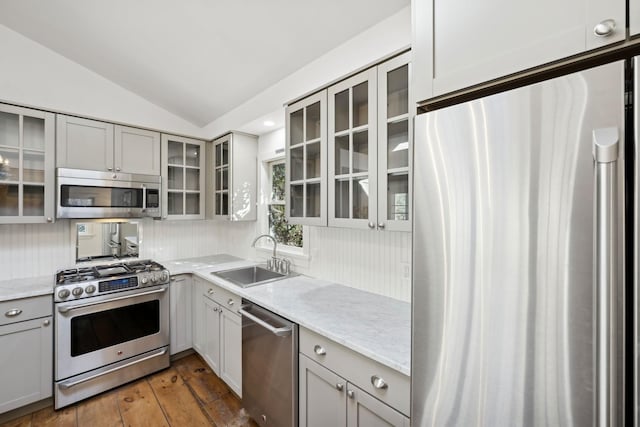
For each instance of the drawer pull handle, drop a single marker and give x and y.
(319, 350)
(351, 394)
(379, 383)
(210, 292)
(230, 302)
(339, 386)
(13, 313)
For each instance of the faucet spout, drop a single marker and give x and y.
(275, 244)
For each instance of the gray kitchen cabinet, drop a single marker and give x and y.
(26, 351)
(306, 159)
(322, 395)
(27, 166)
(95, 145)
(457, 44)
(326, 398)
(217, 331)
(183, 177)
(180, 302)
(232, 168)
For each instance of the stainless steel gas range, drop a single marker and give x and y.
(111, 327)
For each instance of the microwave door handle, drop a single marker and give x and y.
(144, 197)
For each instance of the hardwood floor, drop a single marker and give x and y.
(187, 394)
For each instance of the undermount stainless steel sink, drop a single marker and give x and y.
(250, 276)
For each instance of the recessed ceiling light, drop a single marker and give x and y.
(268, 123)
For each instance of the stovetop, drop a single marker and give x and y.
(87, 282)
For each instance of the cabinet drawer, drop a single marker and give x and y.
(222, 296)
(19, 310)
(393, 387)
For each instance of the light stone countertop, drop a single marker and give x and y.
(372, 325)
(25, 288)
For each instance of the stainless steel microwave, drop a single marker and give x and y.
(96, 194)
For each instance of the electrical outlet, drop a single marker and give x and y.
(406, 270)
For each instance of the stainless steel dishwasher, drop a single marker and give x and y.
(269, 367)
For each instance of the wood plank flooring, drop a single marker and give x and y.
(185, 395)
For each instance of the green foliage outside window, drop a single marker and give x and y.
(283, 232)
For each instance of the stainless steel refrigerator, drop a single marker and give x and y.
(519, 257)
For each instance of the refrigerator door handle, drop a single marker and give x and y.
(605, 153)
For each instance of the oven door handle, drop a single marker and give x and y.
(66, 308)
(67, 385)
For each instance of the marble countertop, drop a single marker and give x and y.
(375, 326)
(24, 288)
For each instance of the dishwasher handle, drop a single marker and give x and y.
(281, 332)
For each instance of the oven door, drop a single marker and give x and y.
(98, 331)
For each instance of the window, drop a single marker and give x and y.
(284, 233)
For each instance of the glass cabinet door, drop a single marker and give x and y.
(352, 107)
(222, 178)
(395, 144)
(26, 165)
(306, 150)
(183, 177)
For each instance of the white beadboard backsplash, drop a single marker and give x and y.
(377, 262)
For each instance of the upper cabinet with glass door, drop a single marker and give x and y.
(395, 145)
(183, 178)
(353, 151)
(27, 167)
(232, 168)
(306, 149)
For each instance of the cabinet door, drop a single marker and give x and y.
(634, 17)
(306, 151)
(183, 178)
(395, 144)
(26, 353)
(84, 144)
(211, 334)
(353, 164)
(458, 43)
(137, 151)
(231, 351)
(363, 410)
(180, 316)
(322, 395)
(197, 318)
(27, 167)
(222, 176)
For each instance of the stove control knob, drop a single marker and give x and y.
(165, 276)
(144, 280)
(77, 292)
(63, 293)
(90, 289)
(156, 277)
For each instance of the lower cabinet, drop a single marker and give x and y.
(328, 399)
(217, 331)
(181, 313)
(26, 352)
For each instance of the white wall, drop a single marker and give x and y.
(388, 36)
(34, 75)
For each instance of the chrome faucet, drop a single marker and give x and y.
(273, 263)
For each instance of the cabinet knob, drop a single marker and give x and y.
(371, 225)
(13, 313)
(49, 219)
(46, 322)
(117, 169)
(379, 383)
(605, 28)
(339, 386)
(319, 350)
(230, 302)
(210, 292)
(215, 308)
(351, 394)
(109, 169)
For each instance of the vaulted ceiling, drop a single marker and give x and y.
(195, 58)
